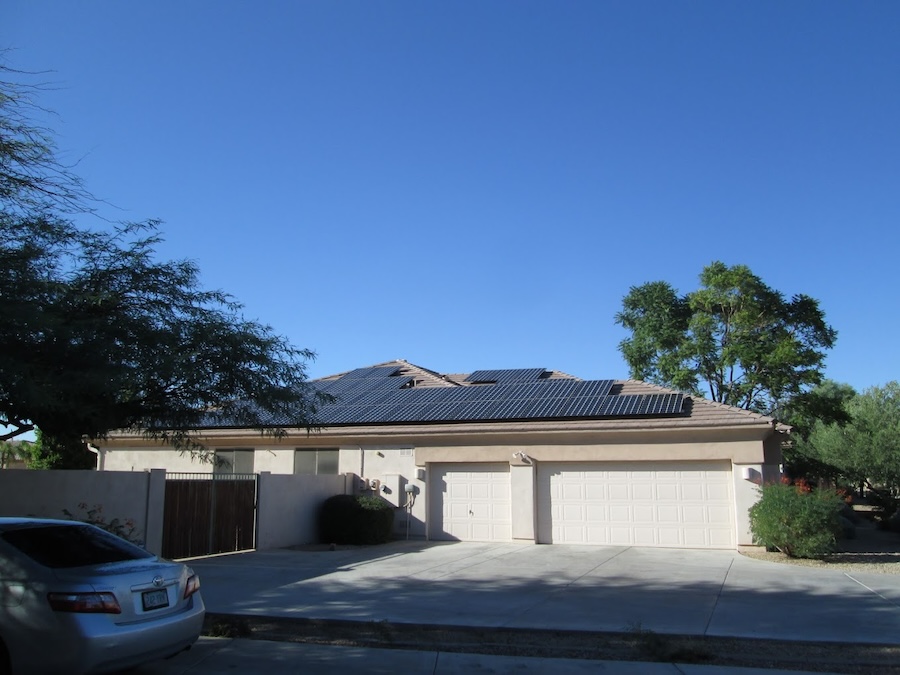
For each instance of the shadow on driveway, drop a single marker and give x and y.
(576, 588)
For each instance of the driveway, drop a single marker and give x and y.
(712, 593)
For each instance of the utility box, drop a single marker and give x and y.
(392, 489)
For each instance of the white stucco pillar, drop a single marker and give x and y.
(747, 480)
(155, 510)
(522, 499)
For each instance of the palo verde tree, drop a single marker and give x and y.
(99, 335)
(734, 340)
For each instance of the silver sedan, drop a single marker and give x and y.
(76, 599)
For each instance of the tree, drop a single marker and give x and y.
(825, 403)
(866, 450)
(734, 340)
(99, 335)
(31, 176)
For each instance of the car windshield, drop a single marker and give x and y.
(62, 546)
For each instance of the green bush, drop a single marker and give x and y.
(349, 519)
(796, 520)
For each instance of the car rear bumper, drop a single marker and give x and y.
(111, 648)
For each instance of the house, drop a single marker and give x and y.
(528, 455)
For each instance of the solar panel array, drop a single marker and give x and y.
(379, 395)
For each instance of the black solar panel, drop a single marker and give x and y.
(376, 396)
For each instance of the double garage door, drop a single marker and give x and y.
(674, 504)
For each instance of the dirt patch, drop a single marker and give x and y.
(635, 644)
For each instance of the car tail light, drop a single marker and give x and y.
(90, 603)
(192, 586)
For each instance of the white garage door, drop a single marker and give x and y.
(470, 502)
(676, 504)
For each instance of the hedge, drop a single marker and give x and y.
(356, 519)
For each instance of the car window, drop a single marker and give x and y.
(62, 546)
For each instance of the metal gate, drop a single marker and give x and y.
(208, 513)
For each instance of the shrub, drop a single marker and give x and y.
(124, 529)
(797, 520)
(349, 519)
(376, 520)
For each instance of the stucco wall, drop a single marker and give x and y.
(289, 506)
(266, 458)
(149, 457)
(394, 467)
(740, 451)
(127, 496)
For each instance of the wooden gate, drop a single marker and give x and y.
(208, 513)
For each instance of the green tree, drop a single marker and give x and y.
(866, 450)
(825, 403)
(98, 334)
(734, 340)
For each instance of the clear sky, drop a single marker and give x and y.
(477, 184)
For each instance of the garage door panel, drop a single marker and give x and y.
(641, 491)
(595, 492)
(643, 513)
(470, 502)
(668, 514)
(617, 491)
(596, 513)
(573, 512)
(667, 492)
(620, 513)
(721, 538)
(642, 504)
(670, 537)
(693, 491)
(717, 491)
(572, 491)
(719, 516)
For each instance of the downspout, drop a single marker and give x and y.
(96, 451)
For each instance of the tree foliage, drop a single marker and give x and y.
(99, 335)
(865, 450)
(825, 403)
(31, 176)
(734, 340)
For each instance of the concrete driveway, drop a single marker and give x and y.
(715, 593)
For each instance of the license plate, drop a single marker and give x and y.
(154, 599)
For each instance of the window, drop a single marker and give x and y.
(234, 461)
(76, 545)
(318, 461)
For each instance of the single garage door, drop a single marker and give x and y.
(470, 502)
(675, 504)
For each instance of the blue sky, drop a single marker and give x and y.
(472, 185)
